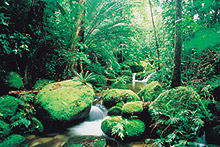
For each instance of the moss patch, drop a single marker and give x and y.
(132, 108)
(10, 81)
(114, 96)
(8, 106)
(64, 101)
(114, 111)
(122, 128)
(151, 91)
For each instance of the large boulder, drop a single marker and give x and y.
(114, 96)
(123, 129)
(63, 104)
(10, 81)
(150, 92)
(8, 106)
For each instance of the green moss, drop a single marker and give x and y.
(10, 81)
(64, 100)
(13, 141)
(14, 80)
(115, 110)
(132, 108)
(122, 128)
(8, 106)
(151, 91)
(114, 96)
(120, 104)
(41, 83)
(4, 129)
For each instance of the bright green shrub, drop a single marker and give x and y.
(179, 115)
(8, 106)
(13, 141)
(4, 129)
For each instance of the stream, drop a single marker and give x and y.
(87, 133)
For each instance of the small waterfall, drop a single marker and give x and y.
(97, 113)
(93, 125)
(145, 80)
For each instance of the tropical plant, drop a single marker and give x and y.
(84, 79)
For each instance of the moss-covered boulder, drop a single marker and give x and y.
(10, 81)
(64, 103)
(132, 108)
(41, 83)
(13, 141)
(114, 111)
(150, 92)
(8, 106)
(4, 129)
(114, 96)
(122, 128)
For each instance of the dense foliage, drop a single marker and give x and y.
(103, 42)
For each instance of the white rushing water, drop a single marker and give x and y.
(92, 126)
(145, 80)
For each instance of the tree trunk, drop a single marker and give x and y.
(155, 34)
(176, 79)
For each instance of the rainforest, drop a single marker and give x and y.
(96, 73)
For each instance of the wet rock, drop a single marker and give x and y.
(86, 141)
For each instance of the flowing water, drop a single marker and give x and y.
(87, 129)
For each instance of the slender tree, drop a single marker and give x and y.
(176, 79)
(155, 34)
